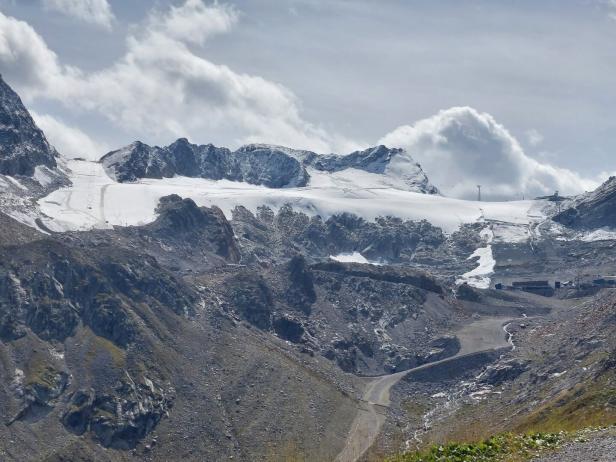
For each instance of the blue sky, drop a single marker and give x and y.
(329, 75)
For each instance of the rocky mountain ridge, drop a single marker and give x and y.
(23, 145)
(258, 164)
(592, 210)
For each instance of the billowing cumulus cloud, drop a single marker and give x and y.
(162, 88)
(96, 12)
(460, 148)
(69, 140)
(26, 61)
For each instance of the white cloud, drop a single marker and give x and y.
(534, 137)
(69, 141)
(96, 12)
(162, 89)
(194, 21)
(460, 148)
(26, 60)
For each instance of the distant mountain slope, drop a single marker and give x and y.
(259, 164)
(596, 209)
(23, 145)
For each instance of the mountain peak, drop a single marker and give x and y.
(263, 164)
(23, 145)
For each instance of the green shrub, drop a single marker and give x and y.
(497, 448)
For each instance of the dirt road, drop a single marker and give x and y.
(482, 335)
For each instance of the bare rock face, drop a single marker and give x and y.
(183, 222)
(504, 371)
(41, 391)
(466, 292)
(22, 145)
(300, 293)
(269, 235)
(252, 298)
(593, 210)
(260, 164)
(121, 419)
(289, 328)
(268, 167)
(51, 289)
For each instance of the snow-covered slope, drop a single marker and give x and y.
(95, 200)
(125, 188)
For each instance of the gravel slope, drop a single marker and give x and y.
(597, 447)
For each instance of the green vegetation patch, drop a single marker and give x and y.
(505, 447)
(582, 406)
(40, 372)
(97, 345)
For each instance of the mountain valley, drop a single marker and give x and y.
(192, 302)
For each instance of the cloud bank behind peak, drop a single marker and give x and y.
(460, 148)
(163, 87)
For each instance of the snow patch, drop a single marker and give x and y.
(602, 234)
(511, 233)
(56, 354)
(18, 378)
(487, 234)
(354, 257)
(42, 176)
(480, 276)
(482, 393)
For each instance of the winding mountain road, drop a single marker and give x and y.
(483, 335)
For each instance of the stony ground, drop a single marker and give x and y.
(590, 446)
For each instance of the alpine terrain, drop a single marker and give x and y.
(193, 302)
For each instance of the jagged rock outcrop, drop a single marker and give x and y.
(503, 371)
(22, 145)
(593, 210)
(267, 235)
(272, 168)
(251, 296)
(440, 348)
(300, 293)
(289, 328)
(468, 293)
(121, 419)
(41, 390)
(383, 273)
(183, 223)
(260, 164)
(358, 316)
(51, 289)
